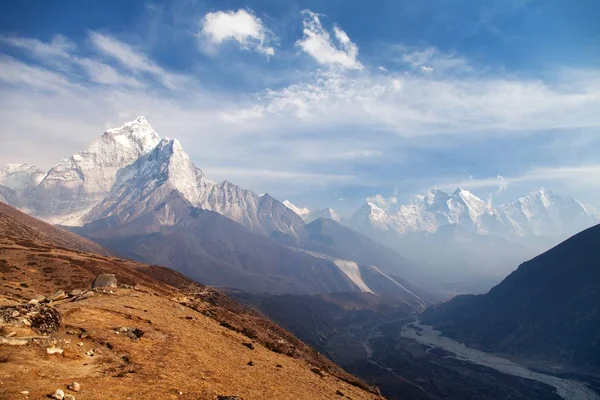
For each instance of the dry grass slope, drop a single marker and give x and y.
(196, 344)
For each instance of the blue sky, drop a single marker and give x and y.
(324, 103)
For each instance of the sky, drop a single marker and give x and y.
(322, 103)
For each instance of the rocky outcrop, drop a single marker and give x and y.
(105, 281)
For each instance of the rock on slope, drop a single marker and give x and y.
(546, 309)
(187, 341)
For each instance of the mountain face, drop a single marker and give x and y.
(20, 176)
(213, 249)
(168, 230)
(546, 309)
(311, 215)
(75, 184)
(128, 169)
(383, 270)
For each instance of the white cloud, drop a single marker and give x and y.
(431, 59)
(503, 184)
(317, 43)
(384, 202)
(581, 176)
(271, 175)
(382, 68)
(62, 53)
(425, 105)
(59, 46)
(131, 59)
(241, 26)
(14, 72)
(107, 75)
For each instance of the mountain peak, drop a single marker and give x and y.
(138, 133)
(20, 176)
(301, 211)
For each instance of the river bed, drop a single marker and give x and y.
(568, 389)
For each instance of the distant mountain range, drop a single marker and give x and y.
(540, 214)
(546, 309)
(131, 187)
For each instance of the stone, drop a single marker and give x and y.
(25, 392)
(248, 345)
(58, 295)
(90, 353)
(84, 295)
(105, 281)
(54, 350)
(76, 292)
(80, 344)
(69, 397)
(229, 398)
(33, 301)
(58, 394)
(15, 314)
(74, 386)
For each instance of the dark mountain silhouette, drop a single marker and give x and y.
(547, 309)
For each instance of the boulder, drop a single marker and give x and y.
(105, 281)
(74, 386)
(58, 394)
(58, 295)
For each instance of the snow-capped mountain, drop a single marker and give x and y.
(302, 212)
(130, 169)
(542, 213)
(75, 184)
(310, 215)
(539, 214)
(20, 176)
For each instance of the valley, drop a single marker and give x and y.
(371, 337)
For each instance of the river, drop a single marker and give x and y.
(566, 388)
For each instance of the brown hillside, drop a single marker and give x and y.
(183, 340)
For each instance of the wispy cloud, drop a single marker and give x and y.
(63, 54)
(59, 46)
(130, 58)
(14, 72)
(318, 43)
(424, 105)
(430, 59)
(241, 26)
(384, 202)
(574, 176)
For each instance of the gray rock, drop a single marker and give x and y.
(76, 387)
(58, 295)
(85, 295)
(69, 397)
(76, 292)
(58, 394)
(105, 281)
